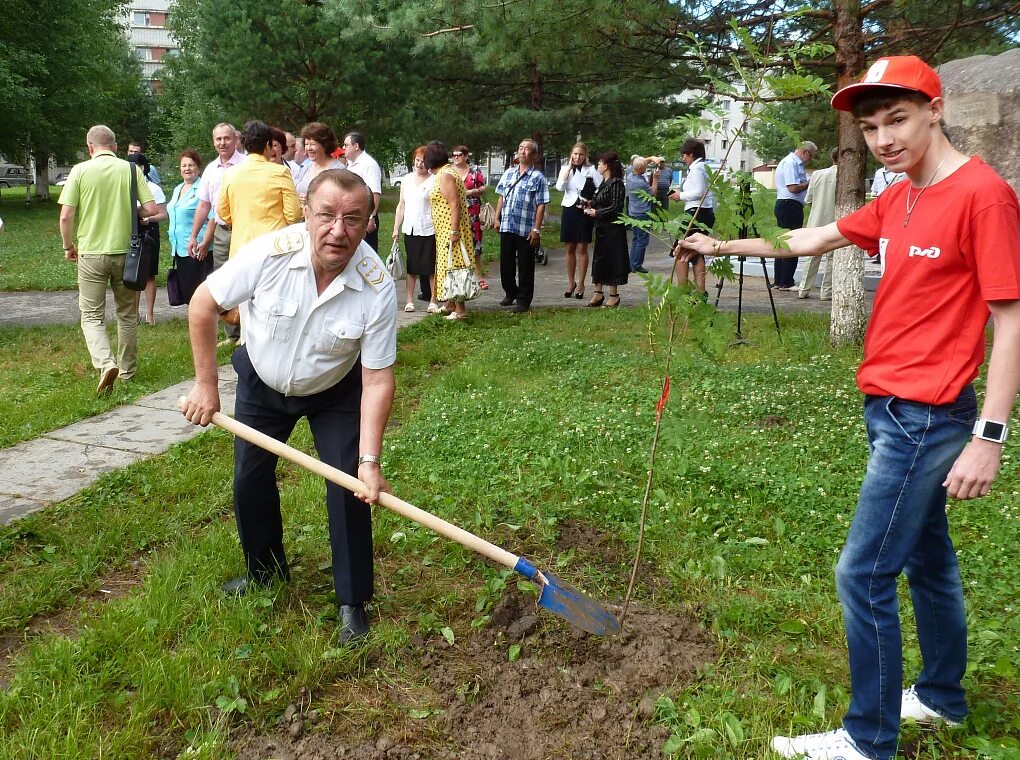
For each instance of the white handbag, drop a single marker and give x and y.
(460, 285)
(395, 263)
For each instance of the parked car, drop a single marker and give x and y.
(12, 175)
(61, 179)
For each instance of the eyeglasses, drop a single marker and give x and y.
(351, 221)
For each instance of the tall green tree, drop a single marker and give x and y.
(501, 71)
(857, 32)
(65, 65)
(287, 62)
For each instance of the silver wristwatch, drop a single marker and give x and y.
(989, 430)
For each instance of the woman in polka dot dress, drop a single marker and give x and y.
(451, 220)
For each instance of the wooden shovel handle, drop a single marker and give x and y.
(388, 500)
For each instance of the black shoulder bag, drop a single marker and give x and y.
(136, 264)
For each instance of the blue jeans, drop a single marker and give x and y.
(638, 244)
(900, 525)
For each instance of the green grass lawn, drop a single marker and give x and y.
(49, 381)
(513, 429)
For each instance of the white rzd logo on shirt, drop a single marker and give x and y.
(928, 253)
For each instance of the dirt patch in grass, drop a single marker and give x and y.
(114, 585)
(565, 694)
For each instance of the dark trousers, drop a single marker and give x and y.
(372, 238)
(334, 416)
(191, 273)
(789, 216)
(517, 267)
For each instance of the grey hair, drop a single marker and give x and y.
(810, 146)
(101, 136)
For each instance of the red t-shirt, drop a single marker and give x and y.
(925, 340)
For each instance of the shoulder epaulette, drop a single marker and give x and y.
(371, 272)
(288, 242)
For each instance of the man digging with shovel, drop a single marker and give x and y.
(321, 340)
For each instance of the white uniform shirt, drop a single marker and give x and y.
(368, 169)
(790, 171)
(417, 206)
(299, 342)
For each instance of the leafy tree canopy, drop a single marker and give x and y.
(66, 65)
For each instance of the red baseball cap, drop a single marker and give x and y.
(900, 72)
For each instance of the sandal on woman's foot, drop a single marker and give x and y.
(483, 284)
(433, 308)
(409, 306)
(579, 294)
(598, 299)
(608, 305)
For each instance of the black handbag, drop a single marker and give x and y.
(174, 292)
(136, 263)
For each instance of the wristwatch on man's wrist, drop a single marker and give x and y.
(365, 458)
(989, 430)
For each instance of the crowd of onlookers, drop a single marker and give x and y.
(258, 181)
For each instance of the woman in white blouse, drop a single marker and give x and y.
(578, 180)
(699, 202)
(414, 218)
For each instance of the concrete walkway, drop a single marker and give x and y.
(59, 464)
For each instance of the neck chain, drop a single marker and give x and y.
(910, 206)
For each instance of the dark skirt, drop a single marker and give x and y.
(575, 227)
(191, 273)
(610, 263)
(421, 254)
(150, 241)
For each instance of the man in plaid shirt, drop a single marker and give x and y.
(523, 195)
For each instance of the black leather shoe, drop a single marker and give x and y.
(353, 622)
(506, 302)
(520, 307)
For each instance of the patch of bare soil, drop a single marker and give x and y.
(568, 695)
(114, 585)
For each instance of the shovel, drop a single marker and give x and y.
(558, 597)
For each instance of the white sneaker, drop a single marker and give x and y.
(832, 745)
(913, 709)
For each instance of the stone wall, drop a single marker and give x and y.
(982, 96)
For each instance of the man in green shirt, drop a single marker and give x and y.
(98, 193)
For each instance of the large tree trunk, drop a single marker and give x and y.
(42, 176)
(848, 319)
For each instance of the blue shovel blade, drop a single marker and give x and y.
(562, 599)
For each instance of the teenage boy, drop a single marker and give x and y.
(949, 237)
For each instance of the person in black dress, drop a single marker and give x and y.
(610, 264)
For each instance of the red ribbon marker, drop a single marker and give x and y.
(663, 398)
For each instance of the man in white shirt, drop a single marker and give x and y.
(821, 196)
(216, 234)
(884, 178)
(366, 167)
(791, 187)
(321, 344)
